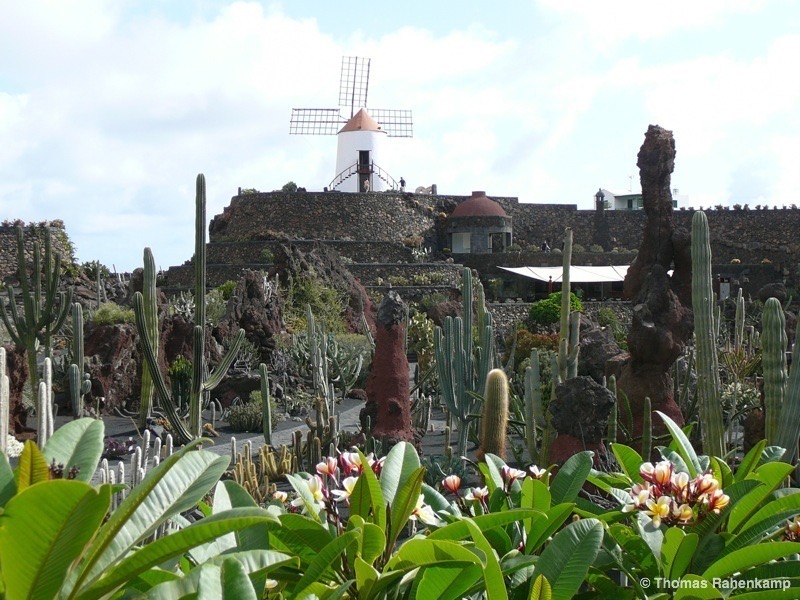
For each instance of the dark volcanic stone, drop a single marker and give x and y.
(581, 408)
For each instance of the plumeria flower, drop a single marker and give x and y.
(640, 494)
(536, 472)
(646, 471)
(704, 484)
(792, 533)
(717, 500)
(510, 475)
(479, 494)
(424, 513)
(280, 496)
(348, 485)
(683, 512)
(317, 488)
(351, 463)
(662, 473)
(659, 509)
(376, 464)
(680, 485)
(451, 483)
(328, 467)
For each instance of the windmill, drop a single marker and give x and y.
(360, 134)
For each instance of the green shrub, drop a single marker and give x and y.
(327, 303)
(113, 314)
(527, 341)
(547, 311)
(226, 289)
(596, 248)
(266, 256)
(578, 248)
(606, 317)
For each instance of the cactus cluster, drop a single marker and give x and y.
(45, 309)
(79, 384)
(463, 367)
(202, 381)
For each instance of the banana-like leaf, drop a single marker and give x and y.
(447, 581)
(329, 559)
(771, 475)
(751, 556)
(570, 477)
(540, 589)
(176, 485)
(32, 467)
(566, 560)
(683, 445)
(8, 485)
(79, 444)
(750, 460)
(43, 530)
(367, 499)
(677, 552)
(401, 462)
(629, 461)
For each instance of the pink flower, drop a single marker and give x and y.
(351, 463)
(479, 494)
(536, 472)
(510, 475)
(451, 483)
(280, 496)
(328, 467)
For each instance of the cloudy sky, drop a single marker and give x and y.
(109, 108)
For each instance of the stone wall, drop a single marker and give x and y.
(249, 252)
(8, 246)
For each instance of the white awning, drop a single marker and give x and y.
(588, 274)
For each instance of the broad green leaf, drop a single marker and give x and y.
(79, 444)
(329, 559)
(771, 454)
(460, 530)
(750, 460)
(448, 581)
(234, 583)
(542, 529)
(630, 461)
(300, 536)
(400, 463)
(736, 492)
(535, 494)
(43, 530)
(635, 549)
(492, 574)
(570, 478)
(367, 499)
(748, 557)
(492, 476)
(683, 446)
(32, 467)
(301, 487)
(771, 475)
(566, 560)
(437, 502)
(677, 552)
(366, 575)
(252, 538)
(175, 485)
(540, 589)
(8, 485)
(176, 544)
(721, 472)
(418, 552)
(651, 535)
(405, 501)
(222, 502)
(373, 541)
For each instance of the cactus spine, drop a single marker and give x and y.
(267, 409)
(463, 369)
(713, 428)
(201, 381)
(43, 316)
(495, 415)
(79, 384)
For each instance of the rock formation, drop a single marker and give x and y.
(17, 367)
(662, 314)
(580, 416)
(388, 386)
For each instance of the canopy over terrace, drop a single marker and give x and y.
(577, 274)
(601, 281)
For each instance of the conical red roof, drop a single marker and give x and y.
(478, 206)
(361, 121)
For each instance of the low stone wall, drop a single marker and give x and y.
(8, 246)
(358, 251)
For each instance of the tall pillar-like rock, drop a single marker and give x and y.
(388, 386)
(662, 315)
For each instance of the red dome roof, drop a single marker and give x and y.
(478, 206)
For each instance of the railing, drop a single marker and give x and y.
(356, 168)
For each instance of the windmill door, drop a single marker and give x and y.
(364, 171)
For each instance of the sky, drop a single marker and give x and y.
(110, 108)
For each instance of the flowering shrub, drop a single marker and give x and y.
(672, 498)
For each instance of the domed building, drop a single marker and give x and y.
(479, 225)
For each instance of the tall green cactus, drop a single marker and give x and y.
(570, 324)
(79, 384)
(150, 306)
(495, 415)
(266, 416)
(202, 381)
(463, 369)
(534, 413)
(703, 304)
(5, 402)
(44, 308)
(781, 393)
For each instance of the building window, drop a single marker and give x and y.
(461, 243)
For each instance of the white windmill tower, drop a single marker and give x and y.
(360, 136)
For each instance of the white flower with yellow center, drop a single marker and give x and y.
(659, 509)
(348, 485)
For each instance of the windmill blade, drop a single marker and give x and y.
(315, 121)
(396, 123)
(354, 82)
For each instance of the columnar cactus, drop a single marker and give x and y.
(44, 307)
(44, 405)
(463, 370)
(5, 402)
(79, 385)
(569, 328)
(150, 306)
(495, 415)
(267, 414)
(201, 381)
(703, 304)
